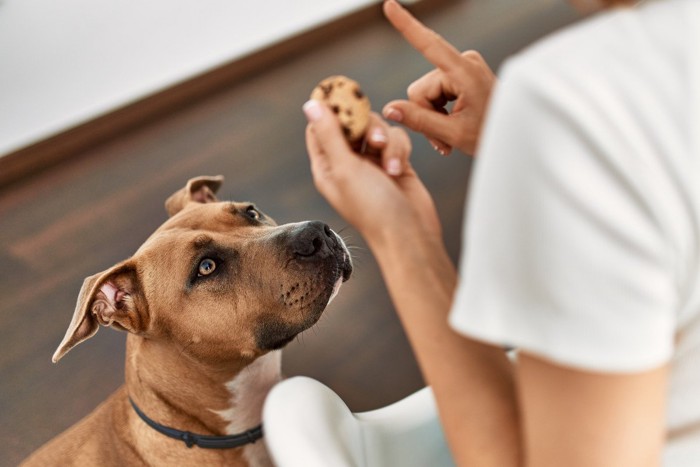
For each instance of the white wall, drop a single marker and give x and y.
(64, 62)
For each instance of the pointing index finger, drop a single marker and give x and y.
(430, 44)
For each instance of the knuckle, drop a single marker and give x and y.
(416, 122)
(472, 55)
(465, 140)
(457, 136)
(320, 183)
(408, 145)
(414, 91)
(401, 140)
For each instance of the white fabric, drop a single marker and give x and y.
(309, 425)
(582, 231)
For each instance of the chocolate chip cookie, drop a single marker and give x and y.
(348, 102)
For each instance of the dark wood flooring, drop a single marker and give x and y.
(80, 217)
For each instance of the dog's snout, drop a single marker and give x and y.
(313, 239)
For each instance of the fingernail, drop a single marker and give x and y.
(393, 167)
(393, 114)
(378, 136)
(313, 110)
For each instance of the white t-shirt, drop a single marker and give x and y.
(582, 230)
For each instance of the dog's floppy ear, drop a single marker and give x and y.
(198, 190)
(110, 298)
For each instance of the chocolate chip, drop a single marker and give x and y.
(359, 94)
(335, 109)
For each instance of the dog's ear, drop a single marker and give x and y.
(198, 190)
(110, 298)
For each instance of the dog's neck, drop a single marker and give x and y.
(248, 390)
(178, 392)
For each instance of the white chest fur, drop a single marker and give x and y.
(248, 391)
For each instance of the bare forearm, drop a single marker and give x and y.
(472, 382)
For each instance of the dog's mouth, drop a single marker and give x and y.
(345, 272)
(307, 298)
(330, 276)
(342, 269)
(336, 289)
(345, 259)
(345, 266)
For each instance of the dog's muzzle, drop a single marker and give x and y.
(315, 241)
(319, 263)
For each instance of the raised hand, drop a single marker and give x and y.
(462, 78)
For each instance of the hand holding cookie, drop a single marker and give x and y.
(366, 133)
(364, 188)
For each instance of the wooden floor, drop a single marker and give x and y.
(82, 216)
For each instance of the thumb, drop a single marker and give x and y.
(433, 124)
(325, 127)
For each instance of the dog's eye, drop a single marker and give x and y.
(253, 213)
(206, 267)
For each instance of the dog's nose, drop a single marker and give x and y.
(314, 238)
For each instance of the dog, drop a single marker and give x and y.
(207, 301)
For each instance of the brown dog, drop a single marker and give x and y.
(207, 301)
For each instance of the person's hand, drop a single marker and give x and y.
(463, 78)
(377, 192)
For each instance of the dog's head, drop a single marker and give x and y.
(220, 280)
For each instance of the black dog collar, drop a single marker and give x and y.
(203, 441)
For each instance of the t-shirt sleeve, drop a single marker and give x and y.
(563, 254)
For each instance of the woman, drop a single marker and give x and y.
(582, 247)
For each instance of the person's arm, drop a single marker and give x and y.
(560, 416)
(472, 381)
(581, 418)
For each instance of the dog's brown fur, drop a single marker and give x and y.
(201, 349)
